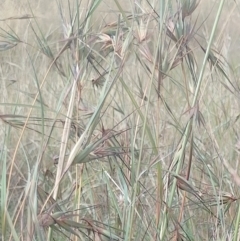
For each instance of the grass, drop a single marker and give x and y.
(120, 121)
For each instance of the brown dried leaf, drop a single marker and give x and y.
(45, 220)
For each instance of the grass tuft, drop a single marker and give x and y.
(119, 121)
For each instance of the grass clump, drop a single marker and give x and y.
(119, 122)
